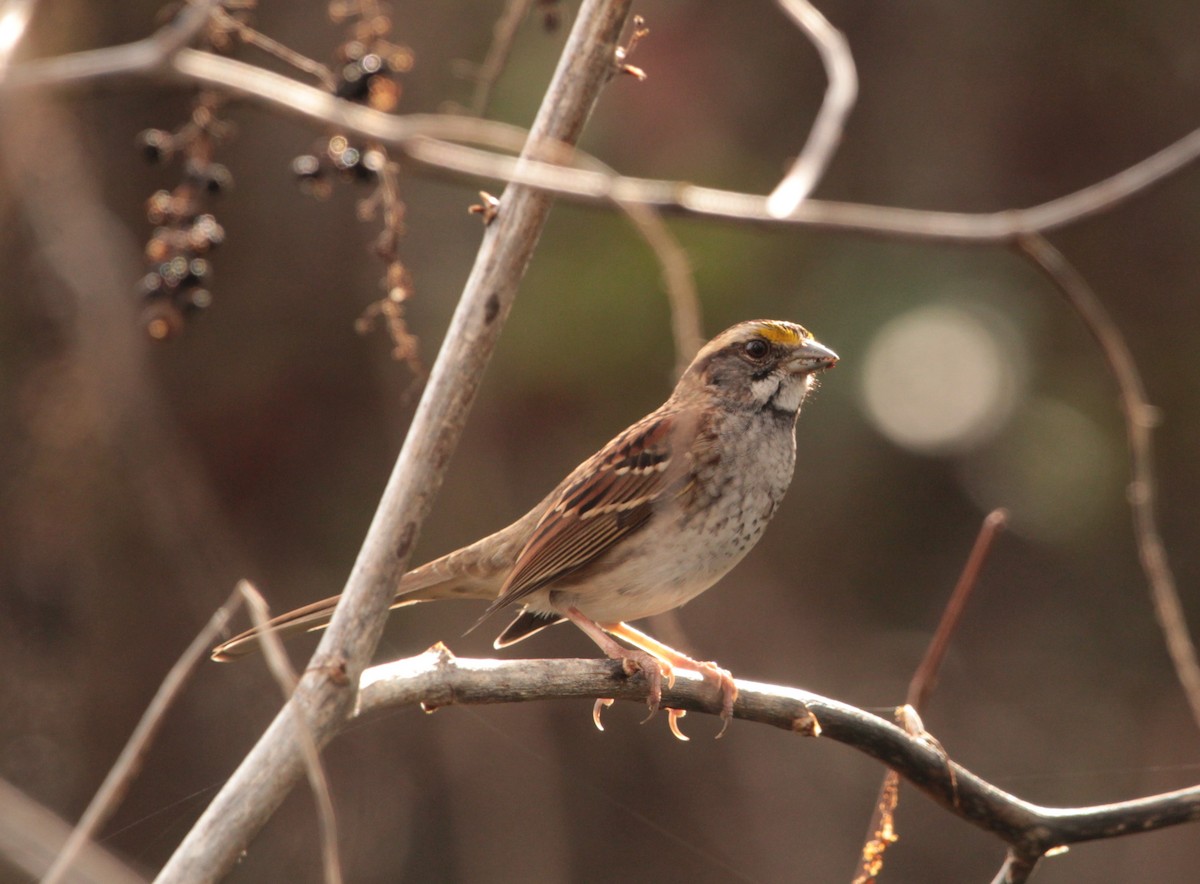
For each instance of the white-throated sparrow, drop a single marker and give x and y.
(649, 522)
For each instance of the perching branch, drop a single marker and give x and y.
(437, 678)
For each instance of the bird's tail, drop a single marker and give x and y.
(440, 579)
(473, 572)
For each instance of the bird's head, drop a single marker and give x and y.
(761, 364)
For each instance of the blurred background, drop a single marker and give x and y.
(140, 480)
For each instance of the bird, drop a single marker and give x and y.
(654, 518)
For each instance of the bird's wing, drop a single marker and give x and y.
(606, 499)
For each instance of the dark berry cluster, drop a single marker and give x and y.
(176, 283)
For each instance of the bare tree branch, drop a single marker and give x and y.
(924, 680)
(326, 693)
(424, 139)
(437, 678)
(142, 57)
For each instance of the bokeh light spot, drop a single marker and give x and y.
(941, 379)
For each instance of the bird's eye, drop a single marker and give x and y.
(756, 349)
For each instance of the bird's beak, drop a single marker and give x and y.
(812, 356)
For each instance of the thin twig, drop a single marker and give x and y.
(504, 35)
(327, 691)
(437, 678)
(925, 677)
(687, 327)
(129, 762)
(693, 200)
(827, 129)
(1140, 418)
(285, 676)
(139, 58)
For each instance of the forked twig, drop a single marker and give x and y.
(254, 37)
(1140, 418)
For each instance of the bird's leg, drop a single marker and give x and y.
(710, 672)
(654, 668)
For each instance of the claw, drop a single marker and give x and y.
(600, 704)
(673, 716)
(722, 679)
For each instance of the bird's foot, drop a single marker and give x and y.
(654, 670)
